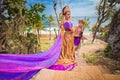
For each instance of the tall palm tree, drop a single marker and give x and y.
(50, 22)
(86, 23)
(35, 18)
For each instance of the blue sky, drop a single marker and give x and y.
(78, 7)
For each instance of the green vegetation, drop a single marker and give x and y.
(105, 11)
(50, 22)
(46, 44)
(20, 27)
(86, 22)
(104, 58)
(107, 51)
(91, 58)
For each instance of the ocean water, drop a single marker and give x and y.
(74, 20)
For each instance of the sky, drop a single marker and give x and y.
(77, 7)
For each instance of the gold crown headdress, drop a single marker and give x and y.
(65, 9)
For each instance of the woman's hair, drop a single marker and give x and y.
(81, 21)
(65, 10)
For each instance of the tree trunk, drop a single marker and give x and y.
(55, 33)
(49, 32)
(96, 30)
(113, 37)
(39, 39)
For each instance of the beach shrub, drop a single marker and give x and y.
(91, 58)
(108, 51)
(22, 44)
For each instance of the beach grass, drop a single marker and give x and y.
(45, 42)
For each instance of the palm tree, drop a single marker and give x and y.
(50, 22)
(86, 23)
(35, 19)
(16, 18)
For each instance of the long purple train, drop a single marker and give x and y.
(23, 67)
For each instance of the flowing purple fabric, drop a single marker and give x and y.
(23, 67)
(63, 67)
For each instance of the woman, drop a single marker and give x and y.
(58, 57)
(67, 36)
(67, 58)
(78, 34)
